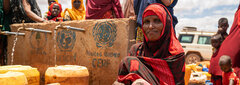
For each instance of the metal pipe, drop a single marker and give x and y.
(32, 29)
(74, 28)
(38, 30)
(11, 33)
(70, 28)
(35, 30)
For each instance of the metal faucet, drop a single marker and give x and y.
(68, 27)
(33, 29)
(11, 33)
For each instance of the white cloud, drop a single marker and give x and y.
(200, 5)
(208, 23)
(185, 9)
(224, 11)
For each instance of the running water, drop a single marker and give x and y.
(13, 48)
(55, 46)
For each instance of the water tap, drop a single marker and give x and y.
(33, 29)
(11, 33)
(68, 27)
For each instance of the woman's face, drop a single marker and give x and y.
(76, 4)
(152, 27)
(50, 2)
(55, 10)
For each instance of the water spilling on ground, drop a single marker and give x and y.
(55, 46)
(13, 48)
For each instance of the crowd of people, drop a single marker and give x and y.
(28, 11)
(159, 58)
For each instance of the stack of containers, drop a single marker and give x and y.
(197, 73)
(32, 74)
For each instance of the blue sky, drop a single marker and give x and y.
(203, 14)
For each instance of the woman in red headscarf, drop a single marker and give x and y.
(159, 60)
(103, 9)
(230, 46)
(54, 12)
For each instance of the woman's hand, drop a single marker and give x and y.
(133, 17)
(117, 83)
(30, 14)
(140, 82)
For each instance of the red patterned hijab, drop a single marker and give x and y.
(50, 10)
(167, 44)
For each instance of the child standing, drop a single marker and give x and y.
(228, 76)
(217, 40)
(54, 12)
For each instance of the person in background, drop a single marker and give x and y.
(228, 75)
(103, 9)
(214, 69)
(222, 27)
(49, 3)
(129, 12)
(54, 12)
(5, 21)
(16, 11)
(128, 9)
(159, 60)
(140, 5)
(5, 15)
(76, 13)
(26, 10)
(230, 46)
